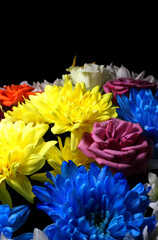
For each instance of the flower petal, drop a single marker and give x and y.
(22, 185)
(4, 195)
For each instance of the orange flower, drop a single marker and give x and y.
(11, 95)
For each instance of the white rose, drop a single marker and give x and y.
(91, 74)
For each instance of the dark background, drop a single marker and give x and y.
(39, 42)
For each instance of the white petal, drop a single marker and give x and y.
(145, 233)
(152, 178)
(150, 78)
(123, 72)
(140, 76)
(39, 235)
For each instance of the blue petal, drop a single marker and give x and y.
(140, 188)
(83, 224)
(124, 111)
(133, 94)
(94, 169)
(132, 201)
(135, 232)
(5, 211)
(18, 216)
(8, 231)
(53, 193)
(50, 176)
(68, 170)
(84, 193)
(137, 220)
(105, 171)
(41, 193)
(150, 222)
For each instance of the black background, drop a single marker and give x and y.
(39, 42)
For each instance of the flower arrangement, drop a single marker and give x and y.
(83, 150)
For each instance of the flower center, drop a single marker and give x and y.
(100, 221)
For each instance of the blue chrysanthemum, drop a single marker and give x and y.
(141, 107)
(93, 205)
(12, 219)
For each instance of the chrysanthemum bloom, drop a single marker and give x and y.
(12, 219)
(55, 156)
(74, 110)
(11, 95)
(22, 153)
(93, 205)
(123, 85)
(141, 107)
(118, 144)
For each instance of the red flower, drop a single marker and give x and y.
(11, 95)
(123, 85)
(118, 144)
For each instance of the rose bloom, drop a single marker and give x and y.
(91, 74)
(11, 95)
(118, 144)
(123, 85)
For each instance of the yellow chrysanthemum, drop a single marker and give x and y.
(55, 156)
(22, 153)
(71, 109)
(24, 111)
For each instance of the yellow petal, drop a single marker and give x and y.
(76, 136)
(41, 177)
(95, 89)
(107, 96)
(56, 164)
(4, 195)
(43, 148)
(53, 153)
(22, 185)
(32, 165)
(34, 134)
(58, 129)
(60, 143)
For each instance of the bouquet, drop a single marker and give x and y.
(83, 151)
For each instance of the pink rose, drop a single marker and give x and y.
(123, 85)
(118, 144)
